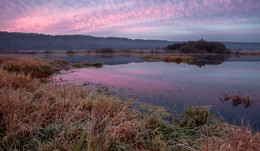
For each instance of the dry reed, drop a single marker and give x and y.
(43, 116)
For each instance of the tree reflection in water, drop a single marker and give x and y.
(204, 60)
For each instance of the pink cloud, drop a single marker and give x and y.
(58, 18)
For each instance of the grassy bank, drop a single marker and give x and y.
(44, 116)
(169, 59)
(36, 68)
(88, 64)
(39, 68)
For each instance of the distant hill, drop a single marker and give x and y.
(33, 41)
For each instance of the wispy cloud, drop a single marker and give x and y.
(120, 18)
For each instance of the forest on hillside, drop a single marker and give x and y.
(34, 41)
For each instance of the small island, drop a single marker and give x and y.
(200, 46)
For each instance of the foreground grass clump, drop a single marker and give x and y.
(35, 67)
(195, 116)
(40, 116)
(52, 118)
(17, 81)
(238, 138)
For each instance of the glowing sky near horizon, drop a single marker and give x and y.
(224, 20)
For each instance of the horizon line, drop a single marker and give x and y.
(46, 34)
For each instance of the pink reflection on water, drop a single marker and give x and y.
(187, 86)
(169, 84)
(132, 78)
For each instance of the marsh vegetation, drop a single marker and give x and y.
(237, 100)
(169, 59)
(45, 116)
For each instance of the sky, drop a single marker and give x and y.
(174, 20)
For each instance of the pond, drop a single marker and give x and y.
(176, 85)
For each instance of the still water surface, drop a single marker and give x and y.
(170, 84)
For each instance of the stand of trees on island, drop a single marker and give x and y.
(200, 46)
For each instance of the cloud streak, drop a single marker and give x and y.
(122, 18)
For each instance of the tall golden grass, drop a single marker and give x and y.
(222, 136)
(28, 108)
(238, 138)
(35, 67)
(43, 116)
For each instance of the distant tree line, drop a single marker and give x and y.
(200, 46)
(32, 41)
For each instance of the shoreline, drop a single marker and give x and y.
(40, 115)
(97, 51)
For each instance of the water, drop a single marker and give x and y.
(170, 84)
